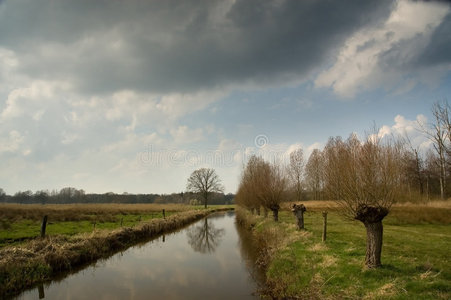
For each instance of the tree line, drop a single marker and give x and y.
(425, 173)
(69, 195)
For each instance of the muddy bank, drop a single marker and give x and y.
(42, 259)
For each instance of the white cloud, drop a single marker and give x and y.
(12, 143)
(175, 105)
(50, 129)
(378, 57)
(185, 135)
(403, 127)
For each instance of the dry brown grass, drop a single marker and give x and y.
(313, 205)
(432, 212)
(77, 212)
(41, 259)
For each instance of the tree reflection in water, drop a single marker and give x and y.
(250, 253)
(205, 238)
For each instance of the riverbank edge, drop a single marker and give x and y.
(42, 259)
(269, 240)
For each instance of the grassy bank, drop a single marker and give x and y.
(415, 255)
(19, 223)
(39, 260)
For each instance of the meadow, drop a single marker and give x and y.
(19, 222)
(415, 254)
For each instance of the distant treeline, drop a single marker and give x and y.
(72, 195)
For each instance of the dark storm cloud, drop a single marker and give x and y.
(437, 52)
(439, 49)
(178, 46)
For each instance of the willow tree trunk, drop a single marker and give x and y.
(275, 213)
(374, 233)
(298, 211)
(371, 217)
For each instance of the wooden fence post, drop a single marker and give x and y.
(41, 291)
(164, 214)
(122, 219)
(324, 225)
(43, 226)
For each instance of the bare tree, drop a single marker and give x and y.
(365, 179)
(262, 184)
(439, 133)
(432, 173)
(205, 182)
(413, 165)
(296, 172)
(249, 193)
(275, 185)
(314, 175)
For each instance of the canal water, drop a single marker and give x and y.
(210, 259)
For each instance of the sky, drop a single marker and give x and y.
(132, 96)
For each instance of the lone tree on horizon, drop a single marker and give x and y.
(204, 181)
(366, 179)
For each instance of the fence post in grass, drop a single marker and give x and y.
(324, 225)
(95, 225)
(43, 226)
(164, 214)
(41, 291)
(122, 219)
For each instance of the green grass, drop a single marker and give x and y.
(415, 260)
(22, 230)
(19, 223)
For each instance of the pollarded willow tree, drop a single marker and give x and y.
(275, 187)
(204, 182)
(262, 184)
(365, 179)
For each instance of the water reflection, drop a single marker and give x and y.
(203, 261)
(249, 251)
(205, 237)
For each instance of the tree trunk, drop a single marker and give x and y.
(275, 213)
(300, 217)
(298, 211)
(374, 233)
(371, 217)
(258, 211)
